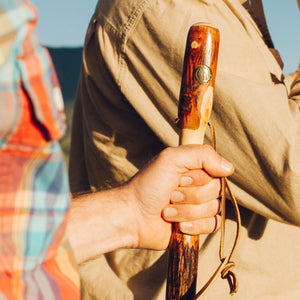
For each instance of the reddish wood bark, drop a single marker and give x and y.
(195, 105)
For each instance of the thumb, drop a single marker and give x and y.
(204, 157)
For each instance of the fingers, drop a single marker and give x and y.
(194, 202)
(191, 212)
(191, 157)
(201, 226)
(216, 165)
(195, 177)
(197, 194)
(195, 218)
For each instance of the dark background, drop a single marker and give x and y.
(67, 62)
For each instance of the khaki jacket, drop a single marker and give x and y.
(124, 114)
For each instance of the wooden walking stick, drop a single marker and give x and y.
(195, 105)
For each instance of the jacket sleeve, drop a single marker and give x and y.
(257, 120)
(258, 129)
(130, 92)
(110, 141)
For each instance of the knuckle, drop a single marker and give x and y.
(187, 213)
(216, 186)
(199, 196)
(209, 225)
(164, 154)
(208, 148)
(202, 226)
(213, 207)
(216, 183)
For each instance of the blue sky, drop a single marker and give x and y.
(63, 23)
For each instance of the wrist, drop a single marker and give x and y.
(102, 222)
(135, 229)
(125, 221)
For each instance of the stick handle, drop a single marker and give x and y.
(195, 105)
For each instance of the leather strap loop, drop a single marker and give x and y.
(225, 269)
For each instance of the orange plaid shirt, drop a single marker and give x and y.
(36, 260)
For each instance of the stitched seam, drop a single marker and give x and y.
(129, 26)
(122, 34)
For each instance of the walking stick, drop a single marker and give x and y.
(195, 105)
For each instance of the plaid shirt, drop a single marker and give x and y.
(24, 63)
(36, 261)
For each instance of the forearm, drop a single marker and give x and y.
(100, 222)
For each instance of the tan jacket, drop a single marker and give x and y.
(124, 114)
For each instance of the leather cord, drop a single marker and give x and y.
(225, 269)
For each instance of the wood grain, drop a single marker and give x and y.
(195, 105)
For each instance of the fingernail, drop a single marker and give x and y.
(185, 180)
(226, 165)
(170, 212)
(177, 196)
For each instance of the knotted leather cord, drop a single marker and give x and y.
(227, 264)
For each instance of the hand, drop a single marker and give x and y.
(180, 185)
